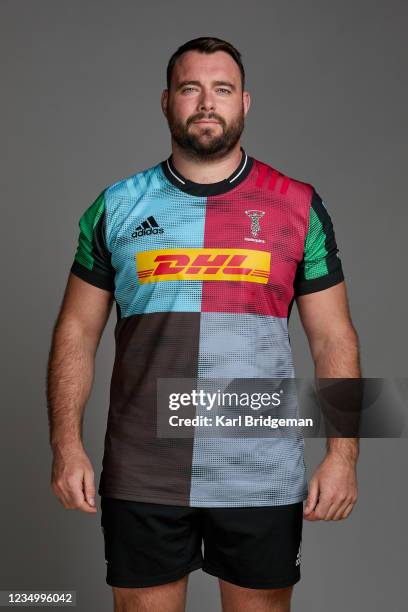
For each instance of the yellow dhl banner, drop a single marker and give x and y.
(203, 264)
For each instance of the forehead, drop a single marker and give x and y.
(193, 65)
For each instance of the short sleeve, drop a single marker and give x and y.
(321, 266)
(92, 262)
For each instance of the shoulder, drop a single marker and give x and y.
(269, 178)
(124, 196)
(133, 186)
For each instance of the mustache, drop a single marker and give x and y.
(200, 116)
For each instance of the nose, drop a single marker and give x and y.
(206, 102)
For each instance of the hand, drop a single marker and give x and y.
(332, 489)
(72, 479)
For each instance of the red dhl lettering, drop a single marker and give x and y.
(173, 264)
(203, 264)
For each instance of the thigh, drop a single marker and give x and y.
(239, 599)
(149, 544)
(170, 597)
(254, 547)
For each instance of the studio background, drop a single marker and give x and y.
(80, 109)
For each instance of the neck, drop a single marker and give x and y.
(205, 171)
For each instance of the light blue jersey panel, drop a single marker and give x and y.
(180, 217)
(263, 471)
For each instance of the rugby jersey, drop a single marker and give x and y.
(204, 277)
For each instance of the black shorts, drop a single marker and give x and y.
(150, 544)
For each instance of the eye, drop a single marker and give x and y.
(188, 88)
(223, 89)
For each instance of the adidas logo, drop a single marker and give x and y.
(150, 226)
(299, 555)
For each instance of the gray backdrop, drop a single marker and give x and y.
(80, 108)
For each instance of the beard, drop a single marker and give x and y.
(204, 143)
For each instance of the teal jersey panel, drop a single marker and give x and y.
(145, 213)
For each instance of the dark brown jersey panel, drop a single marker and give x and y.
(148, 347)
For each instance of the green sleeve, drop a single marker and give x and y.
(321, 266)
(92, 261)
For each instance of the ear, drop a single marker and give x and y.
(246, 99)
(164, 101)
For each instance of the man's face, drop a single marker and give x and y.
(206, 107)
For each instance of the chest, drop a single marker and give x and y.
(249, 239)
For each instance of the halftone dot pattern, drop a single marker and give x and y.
(266, 471)
(315, 248)
(247, 472)
(92, 260)
(203, 286)
(150, 194)
(283, 224)
(85, 253)
(243, 334)
(136, 461)
(320, 267)
(244, 346)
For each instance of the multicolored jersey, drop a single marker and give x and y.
(204, 277)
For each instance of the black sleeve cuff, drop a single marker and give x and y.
(318, 284)
(96, 279)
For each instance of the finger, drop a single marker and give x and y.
(311, 516)
(89, 487)
(340, 511)
(332, 511)
(85, 507)
(78, 501)
(322, 507)
(348, 510)
(74, 491)
(312, 496)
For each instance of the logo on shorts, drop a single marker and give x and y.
(299, 555)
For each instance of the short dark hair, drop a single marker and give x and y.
(206, 44)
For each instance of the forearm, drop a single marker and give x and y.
(69, 382)
(338, 357)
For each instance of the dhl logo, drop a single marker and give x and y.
(203, 264)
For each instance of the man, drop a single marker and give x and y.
(204, 254)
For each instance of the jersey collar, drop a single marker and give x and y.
(208, 189)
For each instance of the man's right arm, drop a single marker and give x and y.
(82, 318)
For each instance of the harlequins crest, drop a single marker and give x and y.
(255, 215)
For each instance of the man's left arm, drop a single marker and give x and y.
(334, 346)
